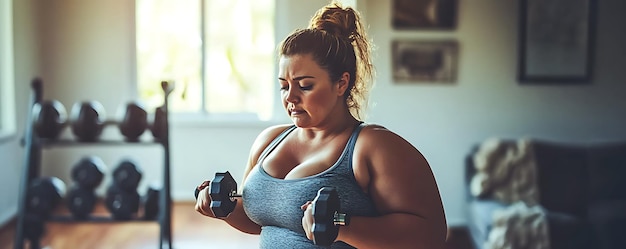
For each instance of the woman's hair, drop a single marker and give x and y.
(338, 43)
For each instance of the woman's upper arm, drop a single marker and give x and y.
(401, 180)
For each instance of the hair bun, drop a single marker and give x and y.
(336, 20)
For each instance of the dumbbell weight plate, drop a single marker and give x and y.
(122, 205)
(50, 118)
(159, 124)
(151, 203)
(34, 227)
(325, 205)
(87, 120)
(223, 187)
(134, 121)
(43, 195)
(127, 175)
(81, 201)
(88, 172)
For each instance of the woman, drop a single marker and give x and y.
(383, 182)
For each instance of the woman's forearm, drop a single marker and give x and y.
(239, 220)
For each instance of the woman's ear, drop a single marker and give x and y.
(343, 83)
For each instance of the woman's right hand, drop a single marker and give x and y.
(203, 201)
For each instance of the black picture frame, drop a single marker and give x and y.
(424, 14)
(425, 61)
(556, 40)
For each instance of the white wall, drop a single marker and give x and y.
(24, 66)
(87, 52)
(7, 92)
(444, 121)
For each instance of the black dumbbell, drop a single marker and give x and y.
(134, 121)
(122, 204)
(34, 228)
(327, 218)
(50, 117)
(127, 175)
(80, 201)
(88, 172)
(87, 120)
(159, 124)
(150, 203)
(43, 195)
(122, 199)
(222, 190)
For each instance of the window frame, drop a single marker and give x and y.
(7, 82)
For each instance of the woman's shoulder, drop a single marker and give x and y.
(380, 137)
(376, 132)
(264, 138)
(273, 131)
(269, 134)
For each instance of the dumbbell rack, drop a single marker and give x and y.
(32, 166)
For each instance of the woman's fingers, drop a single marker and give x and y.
(307, 219)
(203, 202)
(304, 206)
(203, 185)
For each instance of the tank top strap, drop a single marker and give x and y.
(352, 139)
(275, 143)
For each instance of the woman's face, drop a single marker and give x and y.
(308, 95)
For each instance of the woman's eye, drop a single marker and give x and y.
(306, 88)
(284, 88)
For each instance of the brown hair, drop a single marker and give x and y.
(338, 43)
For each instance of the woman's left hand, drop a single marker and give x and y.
(307, 219)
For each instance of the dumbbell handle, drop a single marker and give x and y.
(341, 219)
(232, 195)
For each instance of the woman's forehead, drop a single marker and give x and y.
(298, 64)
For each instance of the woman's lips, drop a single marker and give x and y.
(293, 112)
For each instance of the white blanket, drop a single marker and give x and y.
(519, 227)
(505, 171)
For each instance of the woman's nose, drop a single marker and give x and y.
(291, 95)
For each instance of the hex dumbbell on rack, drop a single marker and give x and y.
(150, 202)
(87, 120)
(134, 121)
(326, 206)
(50, 117)
(43, 196)
(87, 174)
(122, 199)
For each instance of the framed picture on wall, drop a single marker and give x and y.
(424, 61)
(424, 14)
(556, 41)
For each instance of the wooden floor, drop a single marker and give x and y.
(189, 231)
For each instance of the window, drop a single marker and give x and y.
(220, 54)
(7, 98)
